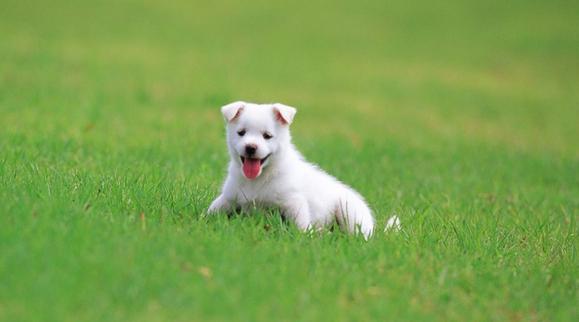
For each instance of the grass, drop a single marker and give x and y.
(460, 117)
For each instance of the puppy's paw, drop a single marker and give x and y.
(211, 211)
(218, 205)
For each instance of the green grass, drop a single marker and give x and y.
(460, 117)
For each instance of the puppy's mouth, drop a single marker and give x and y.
(252, 166)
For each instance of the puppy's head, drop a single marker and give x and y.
(255, 133)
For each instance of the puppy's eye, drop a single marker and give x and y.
(267, 136)
(241, 132)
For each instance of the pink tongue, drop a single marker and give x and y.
(251, 168)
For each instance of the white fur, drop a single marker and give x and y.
(307, 195)
(393, 224)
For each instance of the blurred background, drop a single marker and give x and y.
(495, 72)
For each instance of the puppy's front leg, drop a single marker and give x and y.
(297, 209)
(221, 204)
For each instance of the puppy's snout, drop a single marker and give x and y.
(250, 149)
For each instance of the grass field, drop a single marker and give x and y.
(461, 117)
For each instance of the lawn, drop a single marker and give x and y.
(461, 117)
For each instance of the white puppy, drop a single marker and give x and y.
(266, 170)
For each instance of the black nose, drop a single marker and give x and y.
(250, 149)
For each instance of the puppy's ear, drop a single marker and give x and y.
(283, 113)
(232, 111)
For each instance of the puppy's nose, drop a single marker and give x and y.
(250, 149)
